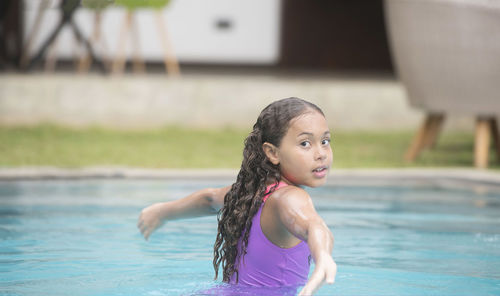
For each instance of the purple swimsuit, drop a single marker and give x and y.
(266, 264)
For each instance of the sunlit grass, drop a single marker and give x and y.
(176, 147)
(160, 148)
(386, 149)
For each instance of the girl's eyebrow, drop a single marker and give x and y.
(311, 134)
(305, 133)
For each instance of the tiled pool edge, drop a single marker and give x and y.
(42, 173)
(404, 176)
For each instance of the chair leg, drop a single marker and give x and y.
(50, 58)
(496, 136)
(435, 125)
(78, 51)
(85, 59)
(171, 63)
(33, 33)
(426, 136)
(482, 142)
(137, 61)
(119, 61)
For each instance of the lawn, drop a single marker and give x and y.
(179, 147)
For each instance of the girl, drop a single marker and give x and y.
(268, 229)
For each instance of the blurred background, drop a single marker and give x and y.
(179, 84)
(107, 106)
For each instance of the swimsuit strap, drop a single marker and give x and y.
(268, 189)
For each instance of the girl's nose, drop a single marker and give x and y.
(320, 153)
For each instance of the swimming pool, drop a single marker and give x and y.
(79, 237)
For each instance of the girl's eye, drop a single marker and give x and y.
(325, 142)
(305, 144)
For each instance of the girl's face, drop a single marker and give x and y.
(305, 155)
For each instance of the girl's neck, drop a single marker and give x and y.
(282, 180)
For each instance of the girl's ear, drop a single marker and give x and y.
(271, 152)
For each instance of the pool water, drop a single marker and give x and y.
(79, 237)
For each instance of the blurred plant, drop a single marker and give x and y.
(134, 4)
(97, 4)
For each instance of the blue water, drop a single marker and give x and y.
(79, 238)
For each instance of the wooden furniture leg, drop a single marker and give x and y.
(435, 125)
(86, 59)
(119, 61)
(429, 131)
(32, 35)
(137, 61)
(482, 142)
(496, 136)
(426, 136)
(169, 59)
(50, 58)
(86, 43)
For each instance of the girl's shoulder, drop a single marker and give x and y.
(290, 195)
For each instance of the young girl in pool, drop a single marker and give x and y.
(268, 229)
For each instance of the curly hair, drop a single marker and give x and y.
(244, 199)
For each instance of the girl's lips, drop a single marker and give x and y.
(320, 172)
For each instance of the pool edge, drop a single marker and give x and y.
(335, 176)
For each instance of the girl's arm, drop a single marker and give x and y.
(296, 212)
(200, 203)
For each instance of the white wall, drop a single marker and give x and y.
(252, 38)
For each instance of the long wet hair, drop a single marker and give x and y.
(244, 199)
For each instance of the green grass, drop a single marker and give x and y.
(176, 147)
(386, 149)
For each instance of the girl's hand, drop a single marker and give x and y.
(150, 219)
(325, 271)
(200, 203)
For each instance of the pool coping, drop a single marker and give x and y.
(440, 177)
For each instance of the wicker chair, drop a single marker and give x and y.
(447, 54)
